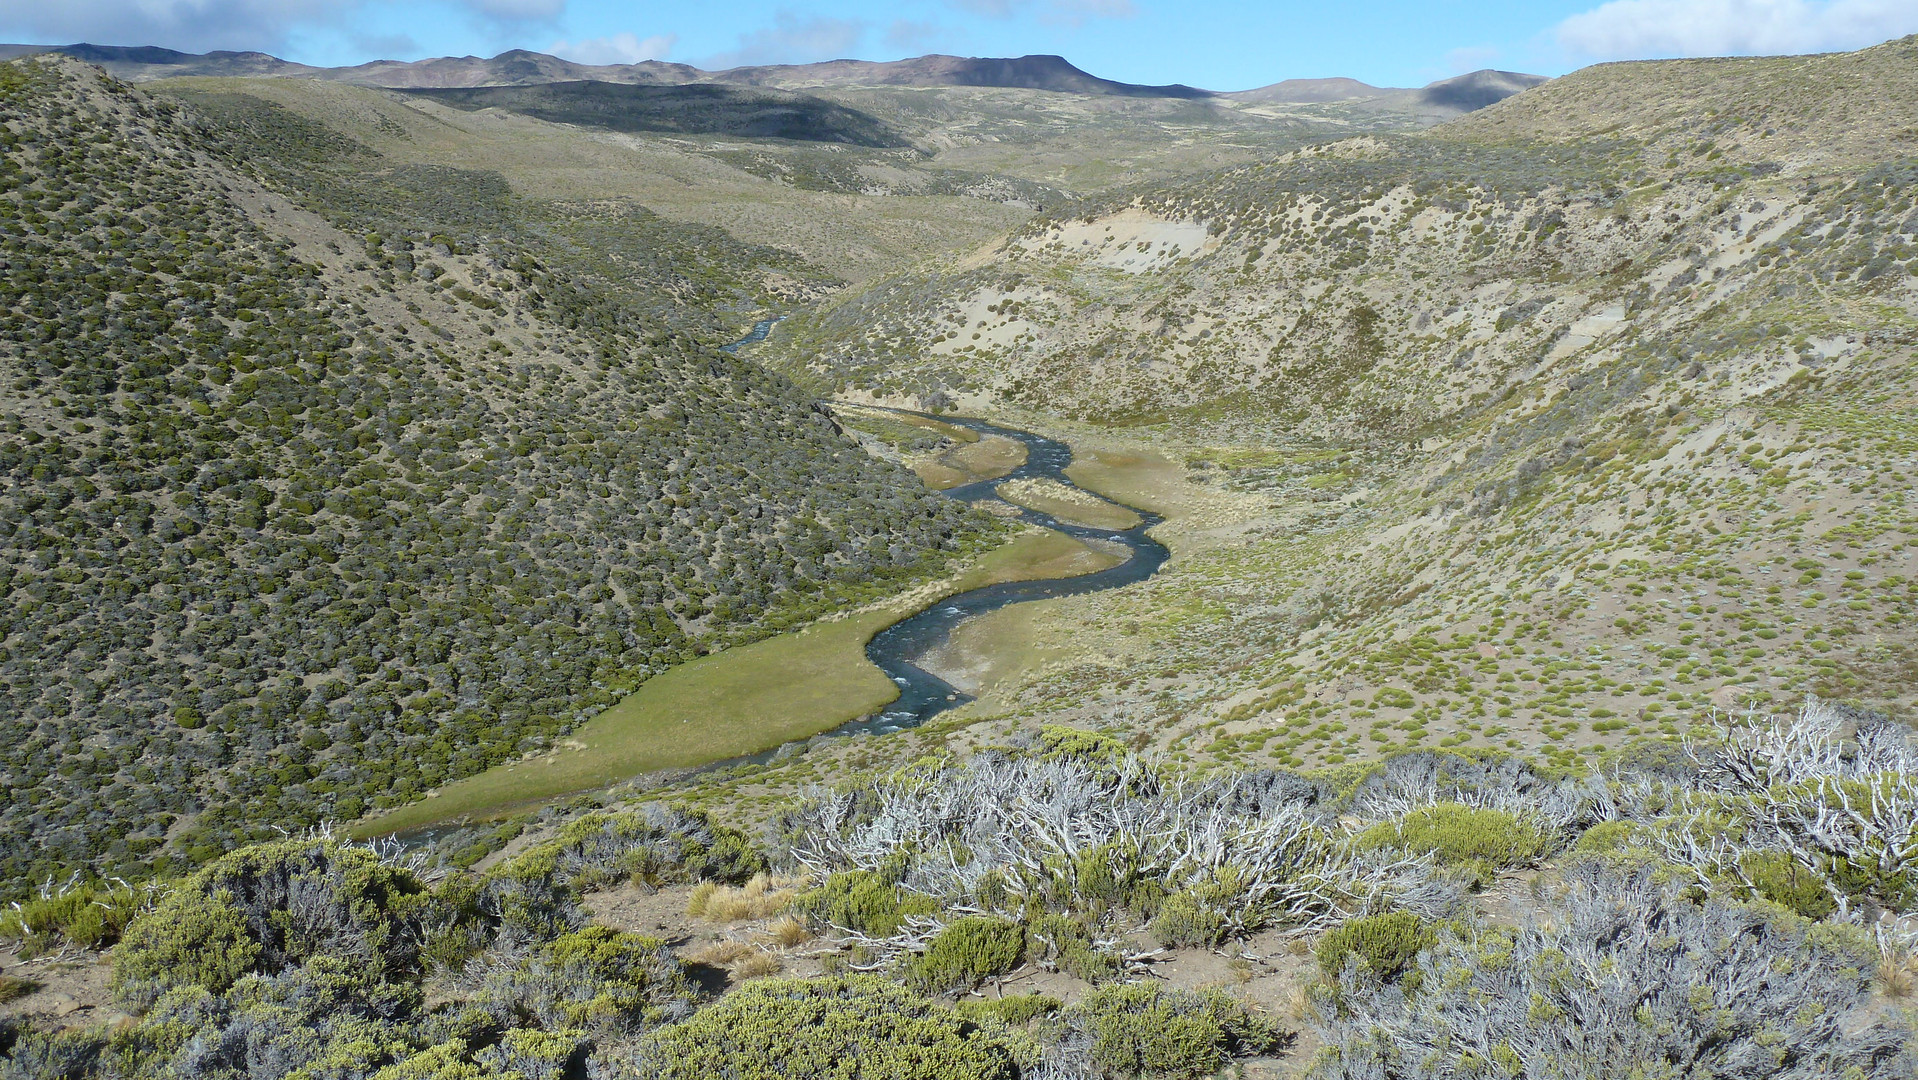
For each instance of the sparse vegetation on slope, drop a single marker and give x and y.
(1486, 437)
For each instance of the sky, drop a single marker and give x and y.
(1215, 44)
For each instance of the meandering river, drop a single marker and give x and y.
(900, 648)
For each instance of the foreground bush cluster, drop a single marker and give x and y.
(1650, 947)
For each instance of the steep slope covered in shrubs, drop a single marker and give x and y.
(294, 524)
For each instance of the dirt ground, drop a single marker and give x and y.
(69, 992)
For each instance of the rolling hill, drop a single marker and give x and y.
(326, 479)
(519, 67)
(1593, 407)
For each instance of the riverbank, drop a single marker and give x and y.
(738, 702)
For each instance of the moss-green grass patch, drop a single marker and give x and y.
(1068, 504)
(740, 701)
(992, 456)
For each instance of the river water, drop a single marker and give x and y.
(899, 649)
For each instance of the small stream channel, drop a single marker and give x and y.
(899, 649)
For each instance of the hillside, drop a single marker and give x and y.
(1473, 438)
(1529, 692)
(328, 479)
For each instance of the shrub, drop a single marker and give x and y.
(653, 843)
(598, 979)
(1146, 1029)
(1384, 945)
(1017, 1010)
(194, 939)
(62, 1055)
(849, 1028)
(272, 907)
(536, 895)
(447, 1061)
(315, 1020)
(1622, 977)
(1612, 840)
(1198, 916)
(1480, 841)
(538, 1055)
(1064, 943)
(966, 953)
(865, 901)
(1776, 876)
(1057, 741)
(87, 915)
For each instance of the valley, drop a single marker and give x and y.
(956, 569)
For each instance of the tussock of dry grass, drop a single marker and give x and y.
(756, 965)
(13, 988)
(722, 953)
(787, 932)
(1896, 978)
(740, 960)
(761, 898)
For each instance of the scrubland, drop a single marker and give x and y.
(1528, 694)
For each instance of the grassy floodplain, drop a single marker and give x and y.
(1074, 507)
(739, 701)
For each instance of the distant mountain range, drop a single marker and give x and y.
(522, 68)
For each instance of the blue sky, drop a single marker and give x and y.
(1217, 44)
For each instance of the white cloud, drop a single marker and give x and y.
(791, 40)
(1079, 12)
(206, 25)
(1472, 58)
(1632, 29)
(518, 11)
(906, 34)
(1071, 12)
(617, 49)
(187, 25)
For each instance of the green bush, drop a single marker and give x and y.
(1480, 841)
(1783, 880)
(538, 1054)
(599, 979)
(447, 1061)
(1092, 748)
(1612, 840)
(1384, 945)
(850, 1028)
(1015, 1011)
(1146, 1029)
(194, 939)
(966, 953)
(866, 901)
(88, 915)
(270, 908)
(1198, 916)
(1064, 942)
